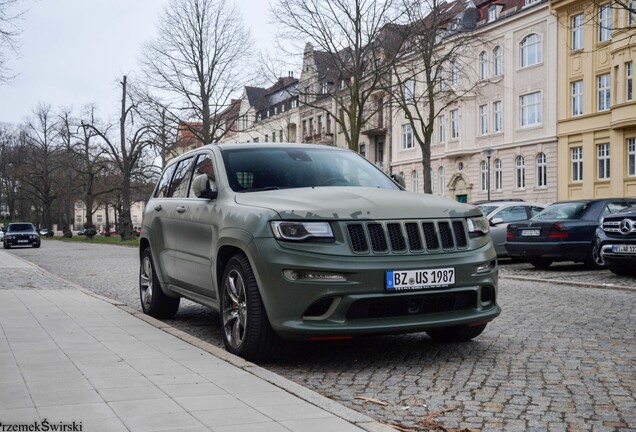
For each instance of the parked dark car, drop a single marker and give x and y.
(564, 231)
(82, 231)
(616, 239)
(21, 234)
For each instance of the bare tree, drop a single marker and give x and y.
(435, 69)
(201, 59)
(127, 152)
(9, 32)
(38, 167)
(357, 41)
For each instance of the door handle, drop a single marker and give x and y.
(158, 207)
(180, 209)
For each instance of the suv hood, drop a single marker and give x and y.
(350, 203)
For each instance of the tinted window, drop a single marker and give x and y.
(534, 210)
(164, 182)
(20, 227)
(181, 179)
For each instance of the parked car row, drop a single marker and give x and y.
(596, 232)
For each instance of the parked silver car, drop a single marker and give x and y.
(501, 213)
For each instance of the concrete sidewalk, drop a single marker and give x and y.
(74, 361)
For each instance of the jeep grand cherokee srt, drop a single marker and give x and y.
(306, 242)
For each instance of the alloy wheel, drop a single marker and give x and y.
(145, 283)
(234, 306)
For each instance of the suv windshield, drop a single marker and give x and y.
(251, 170)
(20, 227)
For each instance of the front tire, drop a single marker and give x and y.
(594, 260)
(154, 301)
(245, 326)
(622, 270)
(460, 333)
(6, 245)
(36, 245)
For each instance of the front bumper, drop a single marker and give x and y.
(21, 241)
(616, 259)
(360, 304)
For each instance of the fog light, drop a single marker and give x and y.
(486, 268)
(299, 275)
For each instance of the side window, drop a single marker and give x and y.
(181, 179)
(164, 182)
(204, 176)
(613, 207)
(535, 211)
(512, 214)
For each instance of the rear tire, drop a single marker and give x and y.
(457, 333)
(244, 324)
(594, 261)
(154, 301)
(541, 263)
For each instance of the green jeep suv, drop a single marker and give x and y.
(307, 242)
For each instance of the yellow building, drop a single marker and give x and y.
(596, 99)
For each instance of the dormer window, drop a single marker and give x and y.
(492, 13)
(324, 88)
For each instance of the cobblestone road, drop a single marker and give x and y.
(559, 358)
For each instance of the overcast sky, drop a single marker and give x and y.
(75, 51)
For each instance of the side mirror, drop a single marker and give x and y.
(209, 194)
(496, 221)
(399, 180)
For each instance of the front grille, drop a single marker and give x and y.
(412, 305)
(407, 236)
(620, 227)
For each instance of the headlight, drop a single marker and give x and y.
(478, 225)
(299, 231)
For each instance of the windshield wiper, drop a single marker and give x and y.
(267, 188)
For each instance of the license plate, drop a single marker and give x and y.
(530, 232)
(406, 280)
(623, 248)
(23, 241)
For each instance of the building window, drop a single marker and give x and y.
(631, 12)
(498, 55)
(407, 136)
(604, 22)
(631, 157)
(454, 123)
(498, 114)
(294, 103)
(498, 175)
(577, 98)
(415, 181)
(531, 50)
(542, 170)
(520, 166)
(577, 32)
(629, 81)
(324, 88)
(441, 177)
(454, 74)
(483, 119)
(603, 92)
(363, 150)
(577, 163)
(266, 138)
(603, 161)
(78, 219)
(442, 78)
(441, 124)
(99, 218)
(328, 124)
(483, 65)
(484, 177)
(531, 109)
(409, 90)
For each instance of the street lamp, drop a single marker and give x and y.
(488, 153)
